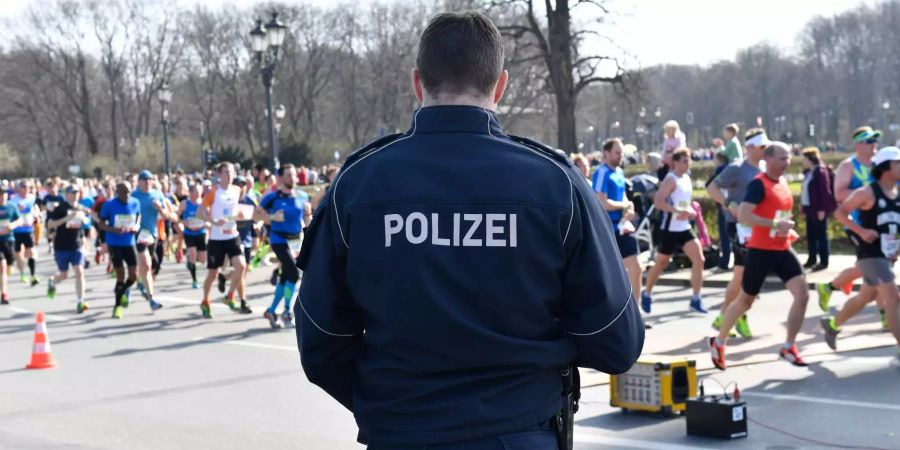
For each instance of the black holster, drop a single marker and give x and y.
(565, 419)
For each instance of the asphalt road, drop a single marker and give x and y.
(173, 380)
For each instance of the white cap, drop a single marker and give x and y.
(206, 183)
(760, 140)
(886, 154)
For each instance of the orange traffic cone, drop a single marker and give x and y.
(41, 358)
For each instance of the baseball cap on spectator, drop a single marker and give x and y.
(886, 154)
(206, 182)
(238, 180)
(867, 135)
(145, 175)
(73, 188)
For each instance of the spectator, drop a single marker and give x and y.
(673, 138)
(582, 164)
(718, 145)
(732, 143)
(818, 203)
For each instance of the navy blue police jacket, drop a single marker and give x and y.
(450, 273)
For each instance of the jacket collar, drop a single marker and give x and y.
(456, 119)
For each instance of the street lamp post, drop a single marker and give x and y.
(885, 106)
(266, 40)
(165, 96)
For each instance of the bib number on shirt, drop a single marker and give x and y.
(124, 221)
(195, 224)
(4, 226)
(75, 221)
(294, 245)
(743, 233)
(890, 245)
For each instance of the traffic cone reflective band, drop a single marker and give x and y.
(41, 358)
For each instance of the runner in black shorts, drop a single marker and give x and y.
(767, 208)
(194, 233)
(9, 219)
(674, 201)
(119, 218)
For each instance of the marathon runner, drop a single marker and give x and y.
(69, 219)
(219, 208)
(877, 223)
(153, 207)
(24, 200)
(119, 219)
(245, 229)
(728, 189)
(852, 173)
(9, 220)
(286, 212)
(767, 208)
(50, 200)
(674, 200)
(194, 231)
(609, 185)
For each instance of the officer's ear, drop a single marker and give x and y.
(417, 86)
(500, 88)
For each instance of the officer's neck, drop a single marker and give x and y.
(460, 100)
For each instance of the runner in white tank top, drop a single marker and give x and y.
(674, 200)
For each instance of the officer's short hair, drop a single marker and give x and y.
(681, 154)
(610, 143)
(460, 53)
(223, 165)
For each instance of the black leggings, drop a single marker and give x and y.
(157, 261)
(289, 270)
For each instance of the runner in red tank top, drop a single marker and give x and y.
(767, 209)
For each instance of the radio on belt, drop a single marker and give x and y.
(716, 416)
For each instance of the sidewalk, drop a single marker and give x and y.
(719, 279)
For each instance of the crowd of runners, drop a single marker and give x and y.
(760, 226)
(232, 222)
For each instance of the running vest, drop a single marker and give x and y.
(883, 217)
(680, 198)
(189, 216)
(777, 202)
(862, 176)
(221, 203)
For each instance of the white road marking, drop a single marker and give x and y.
(49, 317)
(249, 344)
(824, 401)
(618, 442)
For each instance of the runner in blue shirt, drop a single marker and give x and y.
(120, 220)
(9, 219)
(24, 200)
(154, 206)
(285, 210)
(610, 186)
(194, 231)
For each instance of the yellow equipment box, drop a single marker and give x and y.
(654, 386)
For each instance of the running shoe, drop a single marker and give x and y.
(23, 278)
(717, 353)
(245, 309)
(125, 297)
(697, 305)
(831, 331)
(273, 320)
(792, 355)
(884, 326)
(51, 290)
(717, 322)
(646, 301)
(825, 291)
(206, 310)
(142, 290)
(221, 285)
(194, 285)
(97, 258)
(117, 312)
(155, 305)
(287, 318)
(230, 303)
(743, 328)
(35, 280)
(4, 300)
(82, 307)
(87, 263)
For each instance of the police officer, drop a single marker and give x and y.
(440, 304)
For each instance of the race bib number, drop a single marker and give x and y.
(195, 223)
(294, 245)
(145, 237)
(51, 206)
(890, 245)
(76, 220)
(779, 215)
(124, 221)
(682, 205)
(743, 233)
(4, 226)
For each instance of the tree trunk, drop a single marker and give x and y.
(560, 64)
(85, 99)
